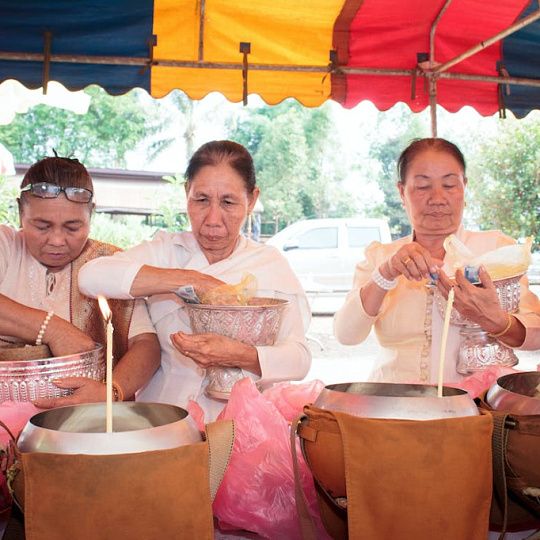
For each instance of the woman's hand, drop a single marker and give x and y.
(213, 350)
(412, 261)
(479, 304)
(201, 282)
(85, 391)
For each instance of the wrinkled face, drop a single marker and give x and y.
(55, 230)
(433, 193)
(217, 205)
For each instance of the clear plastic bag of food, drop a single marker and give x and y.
(232, 295)
(500, 263)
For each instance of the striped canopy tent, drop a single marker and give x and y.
(421, 52)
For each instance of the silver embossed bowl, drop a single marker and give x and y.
(478, 350)
(255, 324)
(137, 427)
(508, 291)
(517, 393)
(392, 400)
(27, 380)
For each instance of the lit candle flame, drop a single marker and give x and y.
(104, 307)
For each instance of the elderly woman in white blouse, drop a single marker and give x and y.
(221, 192)
(390, 294)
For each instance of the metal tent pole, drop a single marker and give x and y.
(483, 44)
(433, 79)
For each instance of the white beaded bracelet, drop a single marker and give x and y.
(43, 327)
(382, 282)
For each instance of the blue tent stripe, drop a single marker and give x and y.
(521, 57)
(84, 27)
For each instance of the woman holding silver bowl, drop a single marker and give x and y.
(390, 293)
(39, 266)
(221, 192)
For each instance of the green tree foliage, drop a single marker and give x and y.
(121, 231)
(100, 138)
(504, 178)
(9, 214)
(171, 217)
(296, 159)
(386, 151)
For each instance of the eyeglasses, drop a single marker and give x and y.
(44, 190)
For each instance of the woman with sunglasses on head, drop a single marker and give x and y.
(39, 266)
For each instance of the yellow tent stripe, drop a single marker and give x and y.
(278, 31)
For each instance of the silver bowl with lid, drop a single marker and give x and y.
(28, 380)
(517, 393)
(137, 427)
(392, 400)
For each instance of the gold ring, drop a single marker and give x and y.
(406, 261)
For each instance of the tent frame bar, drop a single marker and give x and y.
(142, 61)
(435, 69)
(202, 9)
(432, 81)
(483, 44)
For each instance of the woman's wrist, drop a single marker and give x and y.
(386, 272)
(248, 358)
(55, 329)
(382, 282)
(43, 327)
(154, 280)
(173, 278)
(501, 326)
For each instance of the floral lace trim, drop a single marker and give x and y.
(425, 355)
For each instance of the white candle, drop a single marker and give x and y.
(107, 315)
(444, 338)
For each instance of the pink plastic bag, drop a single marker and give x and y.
(196, 412)
(14, 415)
(257, 492)
(290, 398)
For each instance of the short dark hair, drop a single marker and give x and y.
(61, 171)
(419, 145)
(216, 152)
(64, 172)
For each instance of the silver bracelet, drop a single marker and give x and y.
(41, 333)
(382, 282)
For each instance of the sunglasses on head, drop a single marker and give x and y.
(44, 190)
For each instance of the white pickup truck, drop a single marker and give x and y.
(323, 252)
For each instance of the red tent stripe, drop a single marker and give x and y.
(403, 28)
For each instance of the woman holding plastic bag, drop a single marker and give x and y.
(221, 192)
(390, 293)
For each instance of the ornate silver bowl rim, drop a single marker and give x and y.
(8, 365)
(27, 380)
(263, 303)
(458, 319)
